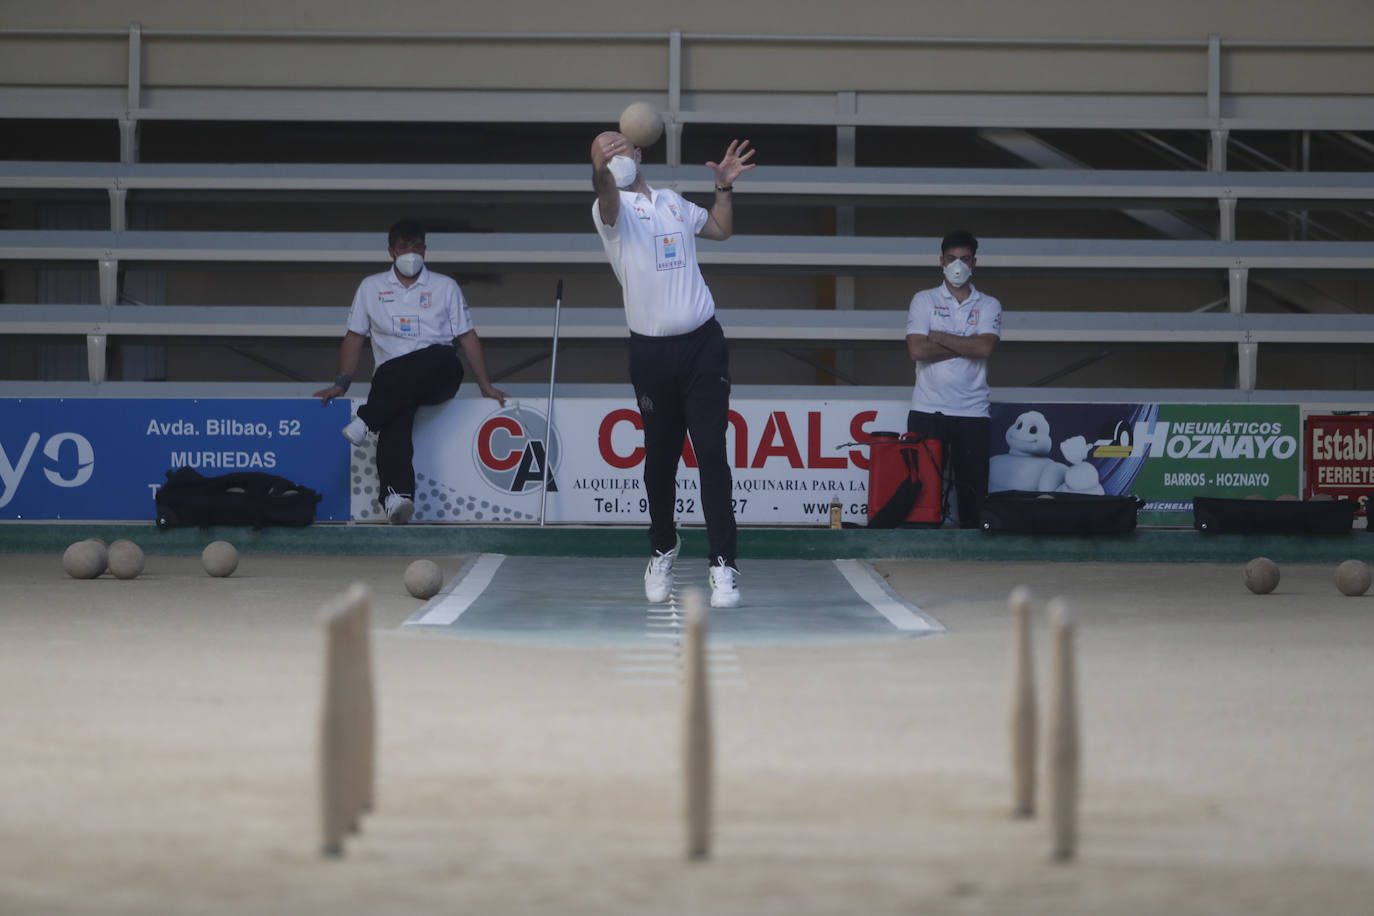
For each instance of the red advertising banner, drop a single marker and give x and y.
(1340, 457)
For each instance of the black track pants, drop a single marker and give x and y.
(965, 444)
(682, 386)
(399, 388)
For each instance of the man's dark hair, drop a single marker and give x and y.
(959, 238)
(407, 229)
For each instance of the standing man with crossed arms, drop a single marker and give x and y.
(679, 365)
(951, 331)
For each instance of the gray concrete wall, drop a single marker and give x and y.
(708, 65)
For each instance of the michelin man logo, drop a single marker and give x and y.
(512, 447)
(1027, 465)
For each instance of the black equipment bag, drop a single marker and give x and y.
(1283, 516)
(1028, 512)
(248, 498)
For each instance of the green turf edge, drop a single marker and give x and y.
(1145, 545)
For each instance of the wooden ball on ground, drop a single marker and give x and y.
(640, 124)
(219, 558)
(1352, 578)
(423, 579)
(1261, 575)
(125, 559)
(84, 559)
(104, 550)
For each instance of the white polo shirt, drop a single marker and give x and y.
(653, 250)
(402, 320)
(957, 386)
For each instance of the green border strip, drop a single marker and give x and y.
(1142, 546)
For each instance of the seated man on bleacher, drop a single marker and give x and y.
(414, 317)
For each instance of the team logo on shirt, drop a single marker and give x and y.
(668, 252)
(672, 208)
(511, 448)
(426, 300)
(972, 317)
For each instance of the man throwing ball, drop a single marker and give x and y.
(679, 365)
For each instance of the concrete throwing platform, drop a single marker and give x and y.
(569, 601)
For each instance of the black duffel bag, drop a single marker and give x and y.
(1215, 515)
(1028, 512)
(246, 498)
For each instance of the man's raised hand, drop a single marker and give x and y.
(734, 163)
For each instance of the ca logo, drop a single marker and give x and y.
(512, 447)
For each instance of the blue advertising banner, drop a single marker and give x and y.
(1163, 453)
(103, 458)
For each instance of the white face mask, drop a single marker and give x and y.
(409, 264)
(623, 170)
(957, 272)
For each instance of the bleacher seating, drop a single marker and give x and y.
(1169, 100)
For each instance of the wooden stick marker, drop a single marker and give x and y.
(347, 734)
(1062, 735)
(1022, 720)
(696, 729)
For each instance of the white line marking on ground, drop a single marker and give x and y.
(662, 667)
(870, 587)
(449, 607)
(676, 682)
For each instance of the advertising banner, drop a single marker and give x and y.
(103, 458)
(1164, 454)
(476, 461)
(1340, 457)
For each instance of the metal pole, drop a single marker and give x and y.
(553, 369)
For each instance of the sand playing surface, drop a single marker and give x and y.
(159, 747)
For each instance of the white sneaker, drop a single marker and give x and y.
(724, 591)
(398, 507)
(356, 432)
(658, 576)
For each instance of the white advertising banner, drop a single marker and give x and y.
(476, 461)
